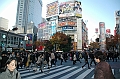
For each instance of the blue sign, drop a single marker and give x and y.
(67, 28)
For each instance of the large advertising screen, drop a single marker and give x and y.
(52, 9)
(70, 8)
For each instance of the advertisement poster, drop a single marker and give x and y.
(77, 9)
(52, 9)
(102, 36)
(66, 9)
(70, 8)
(42, 25)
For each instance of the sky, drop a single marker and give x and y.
(93, 12)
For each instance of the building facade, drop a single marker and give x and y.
(28, 11)
(66, 17)
(10, 41)
(4, 23)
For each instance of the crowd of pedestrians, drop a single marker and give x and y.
(28, 60)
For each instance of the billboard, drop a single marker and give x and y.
(67, 21)
(70, 8)
(102, 36)
(52, 9)
(66, 9)
(77, 9)
(42, 25)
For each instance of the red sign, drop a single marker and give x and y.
(107, 30)
(28, 44)
(40, 48)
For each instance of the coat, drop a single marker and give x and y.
(103, 71)
(8, 75)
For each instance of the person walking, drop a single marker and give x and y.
(86, 59)
(74, 58)
(10, 70)
(40, 62)
(102, 69)
(91, 55)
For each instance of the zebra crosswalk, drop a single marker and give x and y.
(60, 72)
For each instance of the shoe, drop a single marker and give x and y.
(82, 66)
(41, 71)
(89, 68)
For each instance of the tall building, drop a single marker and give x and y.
(65, 17)
(4, 23)
(28, 11)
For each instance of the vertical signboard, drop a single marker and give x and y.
(77, 9)
(108, 32)
(79, 34)
(96, 30)
(102, 36)
(53, 27)
(29, 42)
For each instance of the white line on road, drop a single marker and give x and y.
(84, 74)
(71, 74)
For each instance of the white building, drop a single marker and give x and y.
(4, 23)
(28, 11)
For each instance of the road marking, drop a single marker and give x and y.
(34, 75)
(71, 74)
(51, 76)
(84, 74)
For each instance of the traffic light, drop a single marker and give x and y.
(2, 44)
(15, 29)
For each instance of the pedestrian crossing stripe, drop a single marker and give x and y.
(72, 73)
(58, 71)
(23, 73)
(81, 76)
(51, 76)
(36, 75)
